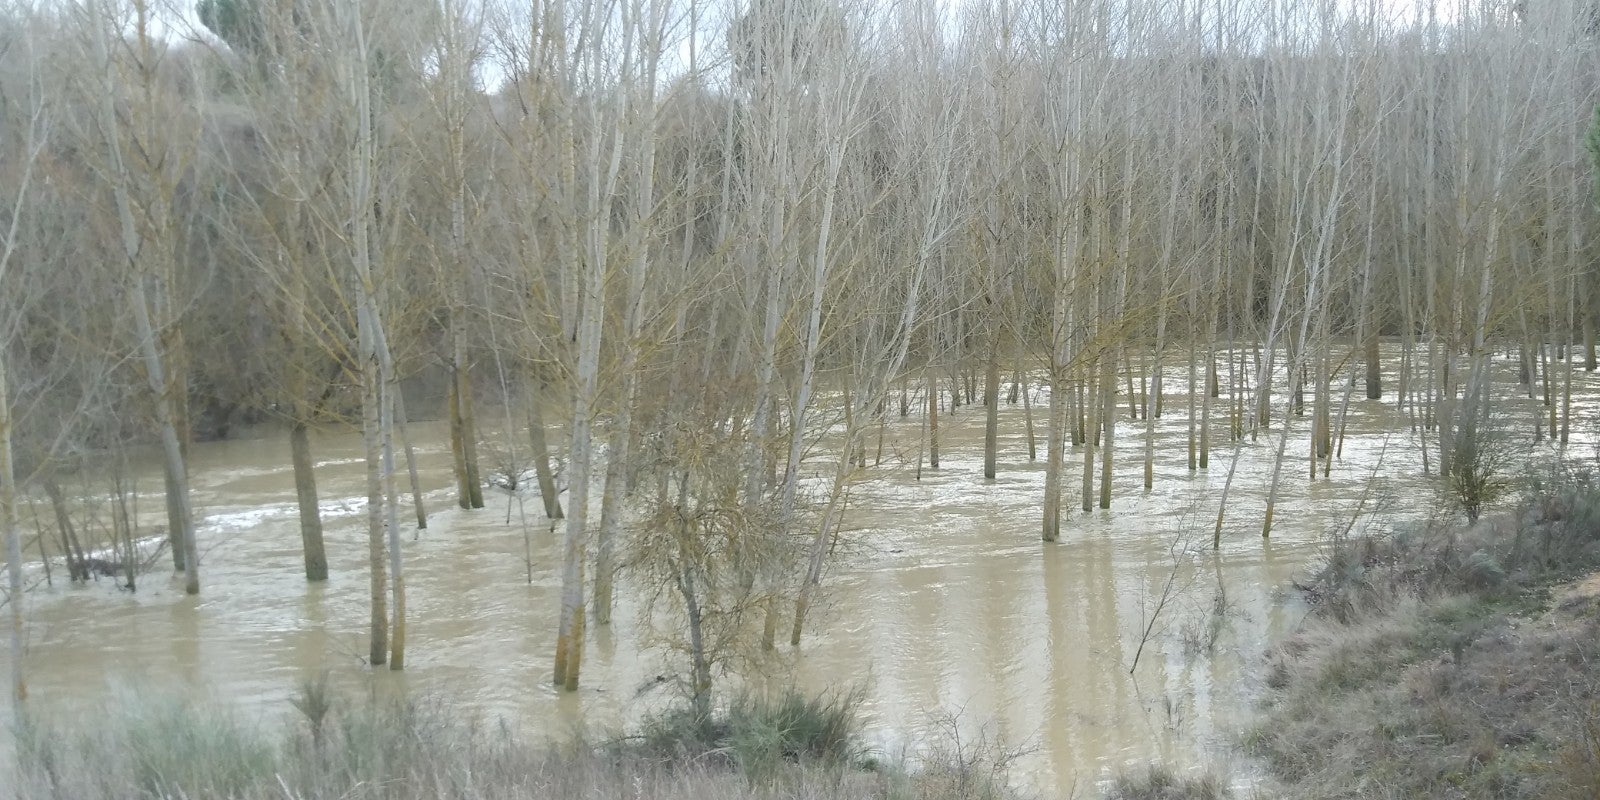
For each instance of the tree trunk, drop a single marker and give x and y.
(1277, 463)
(1108, 420)
(411, 460)
(700, 665)
(991, 400)
(1089, 410)
(1589, 350)
(819, 541)
(469, 435)
(174, 517)
(541, 462)
(1055, 449)
(1374, 367)
(13, 538)
(1204, 461)
(172, 349)
(1027, 419)
(370, 341)
(458, 450)
(611, 512)
(391, 508)
(372, 448)
(580, 461)
(305, 489)
(77, 559)
(122, 523)
(1194, 393)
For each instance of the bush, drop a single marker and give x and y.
(1160, 783)
(1483, 455)
(960, 764)
(758, 734)
(1556, 535)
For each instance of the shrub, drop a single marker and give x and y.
(1161, 783)
(757, 734)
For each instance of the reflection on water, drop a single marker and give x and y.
(947, 607)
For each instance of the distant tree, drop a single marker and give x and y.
(791, 37)
(242, 24)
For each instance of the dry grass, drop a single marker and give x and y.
(1447, 664)
(1159, 783)
(414, 751)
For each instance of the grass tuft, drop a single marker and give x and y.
(1161, 783)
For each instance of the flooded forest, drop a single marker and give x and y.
(1003, 359)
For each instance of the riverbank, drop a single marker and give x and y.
(329, 746)
(1447, 662)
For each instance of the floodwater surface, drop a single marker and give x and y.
(942, 605)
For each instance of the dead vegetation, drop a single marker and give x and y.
(1448, 662)
(1160, 783)
(787, 746)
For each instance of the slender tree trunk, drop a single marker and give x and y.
(469, 433)
(1227, 487)
(178, 399)
(1108, 419)
(391, 507)
(1277, 461)
(1589, 350)
(305, 490)
(1204, 461)
(541, 462)
(77, 559)
(1374, 366)
(825, 529)
(411, 460)
(174, 517)
(372, 447)
(1566, 390)
(1194, 392)
(1027, 418)
(171, 445)
(700, 664)
(991, 400)
(122, 522)
(611, 496)
(370, 340)
(1055, 448)
(13, 537)
(141, 256)
(585, 400)
(1549, 391)
(458, 449)
(1091, 426)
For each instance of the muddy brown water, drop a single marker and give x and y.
(946, 608)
